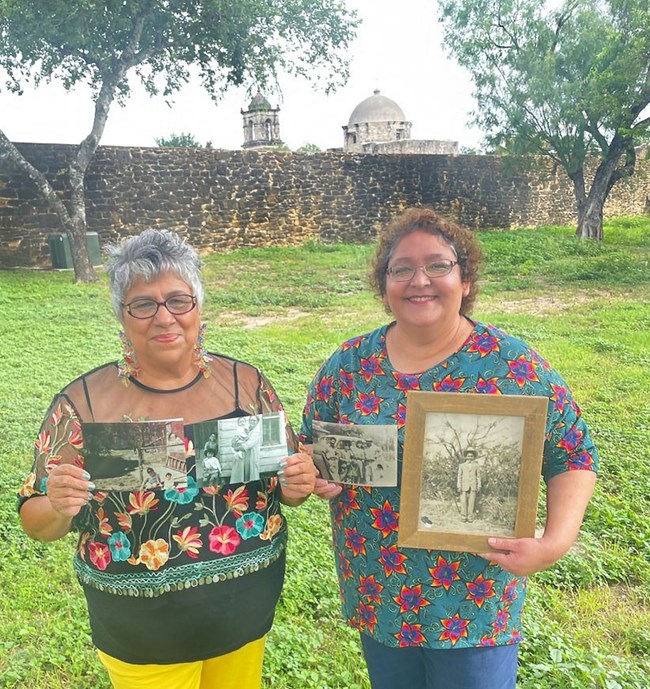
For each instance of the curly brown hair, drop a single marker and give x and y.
(463, 242)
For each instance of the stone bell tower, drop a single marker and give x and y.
(261, 124)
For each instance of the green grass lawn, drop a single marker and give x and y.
(582, 305)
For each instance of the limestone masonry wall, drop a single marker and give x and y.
(223, 200)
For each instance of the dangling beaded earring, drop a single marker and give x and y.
(200, 357)
(127, 366)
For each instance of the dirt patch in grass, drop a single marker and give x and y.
(251, 322)
(547, 304)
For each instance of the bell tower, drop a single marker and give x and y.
(261, 124)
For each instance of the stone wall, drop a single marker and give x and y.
(224, 200)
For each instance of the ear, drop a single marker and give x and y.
(466, 288)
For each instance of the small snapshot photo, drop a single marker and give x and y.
(471, 469)
(131, 456)
(356, 455)
(241, 449)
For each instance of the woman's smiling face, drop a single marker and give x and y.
(423, 301)
(166, 339)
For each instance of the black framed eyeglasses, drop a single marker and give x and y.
(433, 269)
(148, 308)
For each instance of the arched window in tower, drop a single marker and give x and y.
(251, 130)
(268, 130)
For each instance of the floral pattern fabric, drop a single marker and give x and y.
(124, 533)
(149, 543)
(413, 597)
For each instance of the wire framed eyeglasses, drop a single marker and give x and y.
(433, 269)
(148, 308)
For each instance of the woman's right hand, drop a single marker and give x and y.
(326, 489)
(68, 489)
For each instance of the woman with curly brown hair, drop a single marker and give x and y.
(433, 619)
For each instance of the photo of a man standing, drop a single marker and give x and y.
(468, 483)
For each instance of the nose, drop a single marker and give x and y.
(163, 316)
(420, 277)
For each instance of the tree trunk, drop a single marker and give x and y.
(590, 207)
(590, 213)
(84, 271)
(76, 228)
(74, 223)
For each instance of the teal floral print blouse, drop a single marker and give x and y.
(415, 597)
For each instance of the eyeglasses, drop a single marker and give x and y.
(434, 269)
(148, 308)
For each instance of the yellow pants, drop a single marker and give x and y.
(241, 669)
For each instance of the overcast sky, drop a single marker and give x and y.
(398, 50)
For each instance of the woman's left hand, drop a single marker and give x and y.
(297, 478)
(523, 556)
(567, 496)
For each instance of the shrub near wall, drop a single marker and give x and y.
(228, 199)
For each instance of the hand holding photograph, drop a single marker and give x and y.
(471, 469)
(356, 455)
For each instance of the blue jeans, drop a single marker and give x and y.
(489, 667)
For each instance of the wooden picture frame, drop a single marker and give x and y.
(443, 429)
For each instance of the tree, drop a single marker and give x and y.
(158, 41)
(571, 83)
(308, 148)
(180, 140)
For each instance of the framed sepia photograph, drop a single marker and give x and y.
(471, 469)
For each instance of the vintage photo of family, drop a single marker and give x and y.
(240, 449)
(130, 456)
(356, 455)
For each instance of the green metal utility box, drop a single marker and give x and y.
(59, 245)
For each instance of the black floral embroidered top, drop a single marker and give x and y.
(177, 574)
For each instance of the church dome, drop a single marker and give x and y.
(258, 103)
(377, 108)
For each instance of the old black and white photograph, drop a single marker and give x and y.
(470, 473)
(356, 455)
(471, 470)
(241, 449)
(142, 455)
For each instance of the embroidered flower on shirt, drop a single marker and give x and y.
(183, 495)
(189, 541)
(100, 554)
(120, 547)
(249, 525)
(154, 553)
(224, 540)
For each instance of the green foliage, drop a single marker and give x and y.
(308, 148)
(102, 44)
(555, 80)
(230, 43)
(285, 310)
(569, 82)
(180, 140)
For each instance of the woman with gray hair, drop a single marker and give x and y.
(181, 583)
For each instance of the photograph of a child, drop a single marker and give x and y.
(239, 450)
(144, 455)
